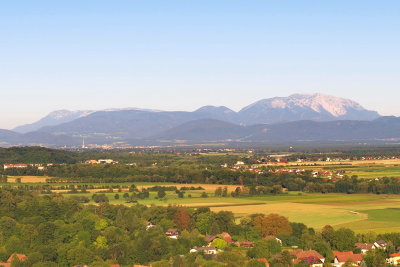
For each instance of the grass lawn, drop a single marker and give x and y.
(378, 220)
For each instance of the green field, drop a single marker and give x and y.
(359, 212)
(362, 171)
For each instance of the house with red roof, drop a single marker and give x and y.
(312, 261)
(227, 237)
(394, 259)
(210, 238)
(364, 247)
(224, 236)
(20, 257)
(347, 256)
(311, 257)
(245, 244)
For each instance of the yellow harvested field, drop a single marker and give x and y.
(207, 187)
(225, 204)
(28, 179)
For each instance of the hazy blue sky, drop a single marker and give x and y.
(180, 55)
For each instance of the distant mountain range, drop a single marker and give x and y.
(299, 118)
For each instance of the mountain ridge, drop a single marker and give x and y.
(316, 106)
(295, 117)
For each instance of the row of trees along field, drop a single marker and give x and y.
(199, 174)
(56, 231)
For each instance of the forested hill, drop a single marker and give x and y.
(33, 155)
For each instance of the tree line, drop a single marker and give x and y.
(56, 231)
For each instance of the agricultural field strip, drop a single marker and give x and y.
(361, 170)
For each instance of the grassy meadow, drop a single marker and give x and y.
(361, 213)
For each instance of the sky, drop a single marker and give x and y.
(181, 55)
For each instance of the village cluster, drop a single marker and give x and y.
(310, 257)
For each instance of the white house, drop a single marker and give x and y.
(380, 244)
(206, 250)
(172, 233)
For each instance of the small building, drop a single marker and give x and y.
(206, 250)
(101, 161)
(149, 225)
(172, 233)
(245, 244)
(106, 161)
(17, 166)
(364, 247)
(91, 161)
(347, 256)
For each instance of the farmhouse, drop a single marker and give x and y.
(342, 257)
